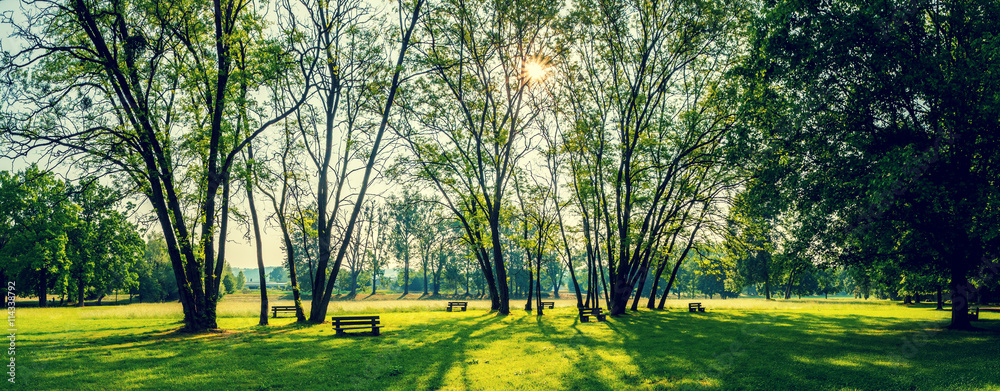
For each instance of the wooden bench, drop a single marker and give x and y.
(548, 304)
(586, 313)
(695, 307)
(341, 323)
(281, 308)
(973, 313)
(460, 304)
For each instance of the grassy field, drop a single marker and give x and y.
(744, 344)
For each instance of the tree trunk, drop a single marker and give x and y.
(670, 282)
(531, 282)
(406, 272)
(651, 303)
(788, 285)
(354, 283)
(43, 282)
(538, 284)
(960, 292)
(79, 289)
(296, 295)
(940, 300)
(257, 239)
(644, 270)
(501, 271)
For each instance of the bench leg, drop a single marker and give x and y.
(585, 319)
(449, 308)
(463, 308)
(375, 331)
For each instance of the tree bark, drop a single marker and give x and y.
(940, 299)
(259, 245)
(79, 289)
(960, 292)
(531, 283)
(43, 287)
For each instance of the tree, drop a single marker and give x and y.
(229, 283)
(355, 73)
(241, 280)
(828, 282)
(281, 197)
(102, 88)
(643, 160)
(884, 120)
(155, 274)
(379, 222)
(408, 214)
(38, 219)
(278, 274)
(102, 245)
(248, 184)
(468, 122)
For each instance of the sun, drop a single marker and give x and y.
(535, 69)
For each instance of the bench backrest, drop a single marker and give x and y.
(458, 303)
(339, 318)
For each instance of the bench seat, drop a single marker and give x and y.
(586, 313)
(341, 323)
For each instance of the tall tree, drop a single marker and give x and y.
(101, 81)
(884, 117)
(343, 130)
(473, 115)
(643, 157)
(102, 245)
(39, 218)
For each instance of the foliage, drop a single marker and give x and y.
(874, 126)
(59, 236)
(278, 274)
(156, 276)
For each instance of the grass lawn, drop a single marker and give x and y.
(744, 344)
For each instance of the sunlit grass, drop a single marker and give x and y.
(738, 344)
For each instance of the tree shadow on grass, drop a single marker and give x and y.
(760, 350)
(714, 350)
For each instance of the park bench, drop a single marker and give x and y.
(341, 323)
(460, 304)
(695, 307)
(548, 304)
(974, 312)
(586, 313)
(281, 308)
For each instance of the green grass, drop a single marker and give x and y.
(739, 344)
